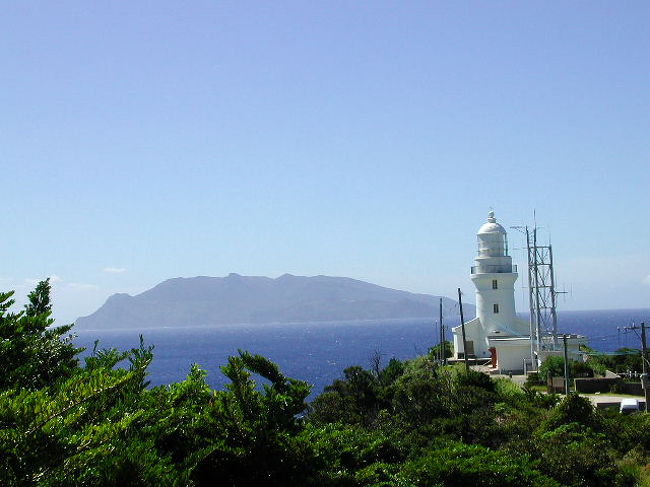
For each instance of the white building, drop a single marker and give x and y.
(496, 332)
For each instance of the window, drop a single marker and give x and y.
(494, 284)
(496, 308)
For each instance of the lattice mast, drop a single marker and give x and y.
(542, 295)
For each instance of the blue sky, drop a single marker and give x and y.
(141, 141)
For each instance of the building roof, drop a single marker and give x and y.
(491, 226)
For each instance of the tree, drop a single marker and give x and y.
(84, 430)
(34, 354)
(578, 455)
(434, 352)
(39, 299)
(573, 409)
(252, 434)
(459, 465)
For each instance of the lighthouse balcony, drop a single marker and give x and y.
(494, 269)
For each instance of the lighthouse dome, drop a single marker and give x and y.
(492, 240)
(491, 226)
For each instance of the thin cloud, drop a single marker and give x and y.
(82, 286)
(646, 280)
(114, 270)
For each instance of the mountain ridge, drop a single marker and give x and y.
(235, 299)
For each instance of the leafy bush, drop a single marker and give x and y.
(573, 409)
(413, 423)
(33, 353)
(534, 379)
(553, 366)
(623, 360)
(460, 465)
(578, 455)
(446, 346)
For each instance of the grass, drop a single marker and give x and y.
(613, 394)
(537, 388)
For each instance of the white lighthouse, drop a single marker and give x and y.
(496, 332)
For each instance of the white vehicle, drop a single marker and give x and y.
(629, 406)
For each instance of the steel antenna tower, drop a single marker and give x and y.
(542, 296)
(540, 268)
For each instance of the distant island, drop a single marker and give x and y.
(206, 301)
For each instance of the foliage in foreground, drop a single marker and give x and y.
(414, 423)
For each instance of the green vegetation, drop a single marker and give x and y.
(445, 346)
(597, 364)
(97, 423)
(623, 360)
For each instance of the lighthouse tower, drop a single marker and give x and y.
(494, 277)
(496, 332)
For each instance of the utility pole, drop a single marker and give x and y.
(443, 354)
(444, 336)
(644, 348)
(644, 363)
(566, 366)
(436, 330)
(462, 324)
(644, 375)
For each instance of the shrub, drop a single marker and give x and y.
(534, 379)
(461, 465)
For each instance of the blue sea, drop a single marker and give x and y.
(318, 352)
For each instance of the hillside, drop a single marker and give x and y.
(203, 301)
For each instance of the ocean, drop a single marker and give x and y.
(318, 352)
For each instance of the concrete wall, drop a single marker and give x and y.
(596, 384)
(602, 384)
(555, 385)
(510, 357)
(633, 388)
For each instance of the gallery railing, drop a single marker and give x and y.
(493, 269)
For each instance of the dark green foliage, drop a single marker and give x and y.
(331, 407)
(341, 452)
(252, 433)
(420, 395)
(580, 369)
(577, 455)
(446, 346)
(52, 435)
(391, 373)
(413, 423)
(553, 366)
(623, 360)
(103, 427)
(356, 396)
(32, 352)
(461, 465)
(533, 379)
(500, 434)
(573, 409)
(99, 425)
(473, 378)
(39, 299)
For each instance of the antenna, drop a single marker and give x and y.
(542, 296)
